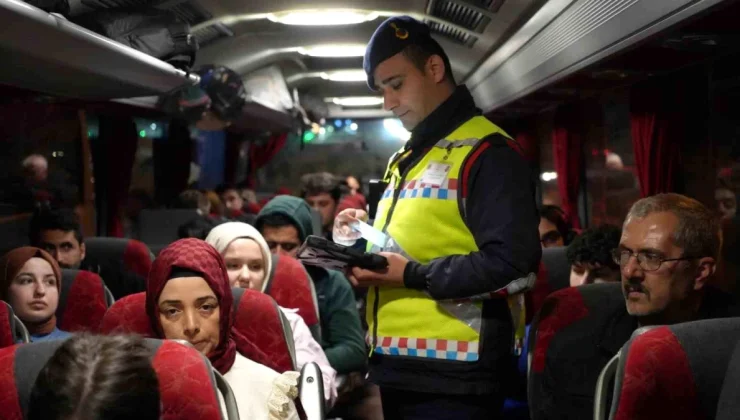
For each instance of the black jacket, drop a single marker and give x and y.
(502, 216)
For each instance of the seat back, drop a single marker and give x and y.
(258, 318)
(187, 384)
(82, 302)
(675, 371)
(12, 329)
(567, 336)
(553, 275)
(728, 406)
(127, 316)
(291, 286)
(159, 226)
(122, 263)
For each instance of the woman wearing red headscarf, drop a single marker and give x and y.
(189, 298)
(30, 281)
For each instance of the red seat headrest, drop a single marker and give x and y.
(291, 287)
(127, 316)
(7, 325)
(257, 317)
(82, 301)
(186, 382)
(135, 255)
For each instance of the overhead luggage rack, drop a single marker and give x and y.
(47, 53)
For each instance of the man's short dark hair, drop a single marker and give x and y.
(419, 55)
(321, 182)
(221, 189)
(191, 199)
(594, 246)
(275, 220)
(54, 219)
(556, 216)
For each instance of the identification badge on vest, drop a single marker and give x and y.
(435, 173)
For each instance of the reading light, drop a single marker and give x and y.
(333, 50)
(322, 17)
(345, 76)
(350, 101)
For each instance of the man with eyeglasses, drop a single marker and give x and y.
(667, 254)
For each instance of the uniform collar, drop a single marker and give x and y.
(449, 115)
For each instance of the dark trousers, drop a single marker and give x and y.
(408, 405)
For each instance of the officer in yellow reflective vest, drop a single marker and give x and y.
(462, 226)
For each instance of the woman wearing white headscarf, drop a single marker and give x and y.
(248, 263)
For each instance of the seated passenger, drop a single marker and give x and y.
(30, 281)
(234, 203)
(322, 192)
(189, 298)
(58, 232)
(667, 254)
(675, 242)
(97, 378)
(590, 256)
(248, 262)
(285, 222)
(554, 229)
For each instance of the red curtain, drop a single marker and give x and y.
(119, 139)
(654, 120)
(567, 143)
(261, 154)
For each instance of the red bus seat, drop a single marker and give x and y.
(256, 316)
(12, 329)
(567, 336)
(675, 371)
(291, 287)
(728, 406)
(187, 384)
(122, 263)
(82, 302)
(553, 275)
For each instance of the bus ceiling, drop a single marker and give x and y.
(502, 49)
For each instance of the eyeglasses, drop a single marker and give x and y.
(647, 262)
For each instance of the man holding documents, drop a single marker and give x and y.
(459, 226)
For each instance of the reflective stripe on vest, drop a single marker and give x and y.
(426, 223)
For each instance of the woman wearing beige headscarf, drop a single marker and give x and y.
(248, 263)
(31, 281)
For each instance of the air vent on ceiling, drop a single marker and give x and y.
(452, 33)
(459, 14)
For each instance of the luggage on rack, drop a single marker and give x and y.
(158, 33)
(51, 6)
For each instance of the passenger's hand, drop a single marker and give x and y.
(350, 215)
(391, 276)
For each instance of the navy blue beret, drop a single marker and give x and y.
(391, 37)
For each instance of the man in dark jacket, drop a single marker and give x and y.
(460, 221)
(667, 255)
(285, 222)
